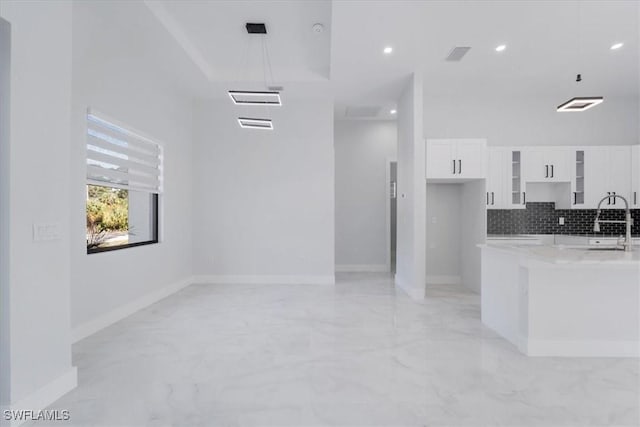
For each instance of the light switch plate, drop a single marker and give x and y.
(561, 220)
(46, 232)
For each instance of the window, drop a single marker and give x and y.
(124, 181)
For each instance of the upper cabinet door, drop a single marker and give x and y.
(470, 158)
(535, 167)
(557, 160)
(547, 164)
(635, 176)
(596, 175)
(620, 173)
(515, 197)
(441, 162)
(455, 159)
(496, 177)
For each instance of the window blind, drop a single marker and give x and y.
(121, 158)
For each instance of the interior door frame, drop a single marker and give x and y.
(388, 162)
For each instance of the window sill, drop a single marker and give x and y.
(119, 247)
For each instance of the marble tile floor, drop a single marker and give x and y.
(357, 354)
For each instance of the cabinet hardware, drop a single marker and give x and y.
(609, 200)
(551, 171)
(459, 166)
(575, 198)
(454, 167)
(614, 199)
(493, 198)
(546, 171)
(524, 197)
(487, 198)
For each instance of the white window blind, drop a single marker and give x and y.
(121, 158)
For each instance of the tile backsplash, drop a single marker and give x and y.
(543, 218)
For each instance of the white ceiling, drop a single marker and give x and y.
(548, 43)
(213, 34)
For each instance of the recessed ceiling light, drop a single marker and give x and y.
(393, 111)
(388, 50)
(501, 48)
(249, 123)
(617, 46)
(580, 104)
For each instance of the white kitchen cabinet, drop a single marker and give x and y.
(607, 171)
(546, 164)
(577, 158)
(635, 176)
(620, 174)
(504, 179)
(496, 177)
(455, 159)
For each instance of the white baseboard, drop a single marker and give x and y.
(548, 348)
(91, 327)
(362, 268)
(444, 280)
(45, 396)
(264, 280)
(416, 294)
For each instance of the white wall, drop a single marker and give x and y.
(5, 288)
(40, 349)
(530, 121)
(116, 70)
(473, 231)
(411, 246)
(363, 150)
(460, 225)
(264, 205)
(444, 203)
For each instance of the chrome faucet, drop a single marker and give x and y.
(627, 220)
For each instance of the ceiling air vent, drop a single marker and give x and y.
(256, 28)
(457, 53)
(362, 112)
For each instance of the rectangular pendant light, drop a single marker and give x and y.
(249, 123)
(580, 103)
(242, 97)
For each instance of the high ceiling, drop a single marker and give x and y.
(548, 43)
(213, 34)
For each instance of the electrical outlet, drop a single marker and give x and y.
(561, 220)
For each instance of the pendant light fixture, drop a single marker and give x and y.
(579, 103)
(265, 98)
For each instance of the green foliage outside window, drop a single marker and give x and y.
(107, 213)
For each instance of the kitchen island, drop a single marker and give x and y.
(552, 300)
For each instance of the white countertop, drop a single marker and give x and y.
(560, 254)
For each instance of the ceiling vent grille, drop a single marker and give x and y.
(362, 111)
(457, 53)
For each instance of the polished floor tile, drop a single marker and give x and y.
(357, 354)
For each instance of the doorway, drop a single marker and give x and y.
(393, 214)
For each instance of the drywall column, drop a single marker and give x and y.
(40, 341)
(5, 332)
(411, 248)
